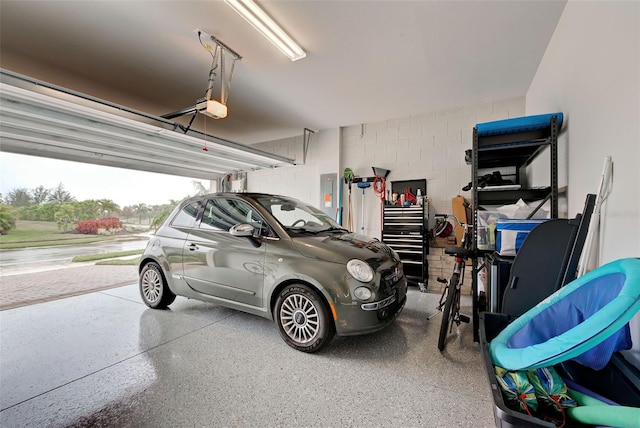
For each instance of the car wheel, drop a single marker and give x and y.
(303, 318)
(154, 289)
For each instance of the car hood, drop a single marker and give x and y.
(344, 247)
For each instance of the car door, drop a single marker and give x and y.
(219, 264)
(173, 237)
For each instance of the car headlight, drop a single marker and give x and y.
(362, 293)
(360, 270)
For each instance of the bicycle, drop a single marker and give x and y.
(449, 303)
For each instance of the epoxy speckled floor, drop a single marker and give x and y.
(105, 359)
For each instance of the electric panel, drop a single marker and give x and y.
(328, 189)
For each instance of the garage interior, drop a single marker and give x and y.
(394, 85)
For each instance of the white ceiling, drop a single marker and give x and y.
(366, 60)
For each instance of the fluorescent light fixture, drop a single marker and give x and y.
(261, 22)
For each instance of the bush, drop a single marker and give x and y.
(107, 226)
(7, 218)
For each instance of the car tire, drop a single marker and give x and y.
(154, 289)
(303, 318)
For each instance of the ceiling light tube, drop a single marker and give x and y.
(269, 29)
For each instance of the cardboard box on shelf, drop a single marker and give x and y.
(463, 214)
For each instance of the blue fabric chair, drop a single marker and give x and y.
(587, 320)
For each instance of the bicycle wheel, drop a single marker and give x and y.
(447, 313)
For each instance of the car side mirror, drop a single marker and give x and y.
(247, 231)
(242, 229)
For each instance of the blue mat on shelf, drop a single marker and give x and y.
(517, 124)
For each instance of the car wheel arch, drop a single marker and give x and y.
(296, 281)
(153, 286)
(164, 267)
(145, 261)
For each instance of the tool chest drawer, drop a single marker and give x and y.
(403, 229)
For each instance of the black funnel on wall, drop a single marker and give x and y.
(380, 171)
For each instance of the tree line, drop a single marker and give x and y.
(23, 197)
(57, 204)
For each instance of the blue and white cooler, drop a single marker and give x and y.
(511, 233)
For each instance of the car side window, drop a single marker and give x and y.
(187, 216)
(222, 213)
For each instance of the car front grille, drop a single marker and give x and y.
(392, 276)
(378, 305)
(388, 306)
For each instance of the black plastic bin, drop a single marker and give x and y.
(619, 380)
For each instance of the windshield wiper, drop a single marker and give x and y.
(335, 229)
(303, 230)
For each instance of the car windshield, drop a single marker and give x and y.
(298, 217)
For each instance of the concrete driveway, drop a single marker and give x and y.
(60, 281)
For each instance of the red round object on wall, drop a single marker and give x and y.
(443, 229)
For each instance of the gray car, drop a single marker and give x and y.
(275, 257)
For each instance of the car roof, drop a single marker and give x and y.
(246, 194)
(243, 195)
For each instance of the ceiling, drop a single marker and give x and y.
(366, 60)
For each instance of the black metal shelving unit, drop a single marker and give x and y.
(514, 149)
(405, 231)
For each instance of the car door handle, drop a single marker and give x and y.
(193, 247)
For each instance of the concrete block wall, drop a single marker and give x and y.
(430, 146)
(441, 265)
(278, 180)
(301, 181)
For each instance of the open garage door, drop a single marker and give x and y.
(40, 119)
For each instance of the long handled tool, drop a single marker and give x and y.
(348, 179)
(590, 255)
(363, 185)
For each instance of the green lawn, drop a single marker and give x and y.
(43, 233)
(123, 262)
(102, 256)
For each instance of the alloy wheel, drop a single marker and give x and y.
(299, 318)
(151, 285)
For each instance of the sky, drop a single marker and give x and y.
(84, 181)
